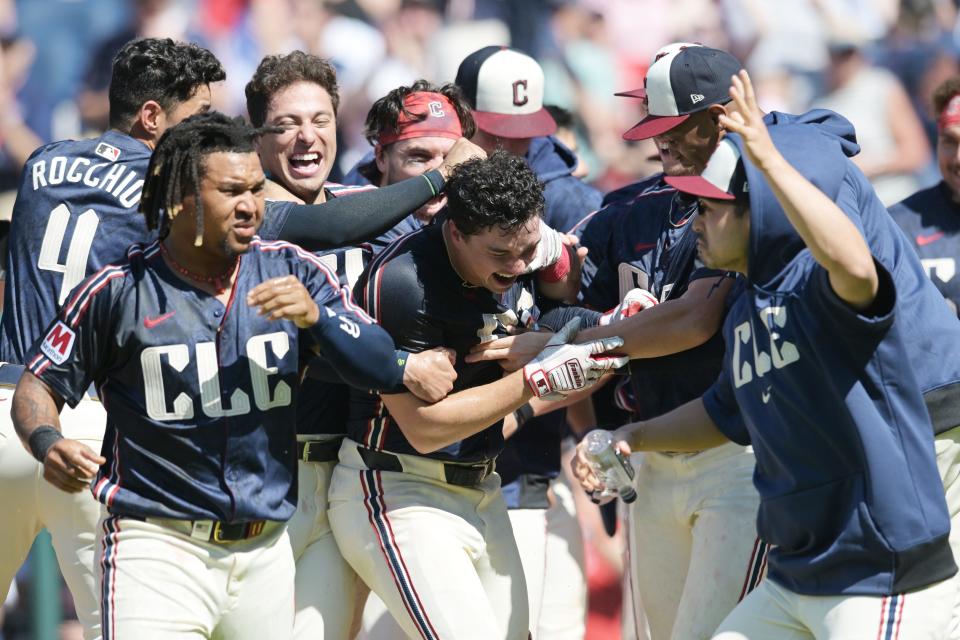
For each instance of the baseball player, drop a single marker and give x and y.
(415, 503)
(814, 378)
(689, 564)
(193, 345)
(75, 213)
(300, 93)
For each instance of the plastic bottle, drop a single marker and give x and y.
(613, 469)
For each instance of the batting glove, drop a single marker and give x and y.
(562, 367)
(634, 302)
(549, 249)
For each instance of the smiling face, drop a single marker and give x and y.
(493, 258)
(685, 149)
(231, 190)
(410, 158)
(723, 230)
(302, 156)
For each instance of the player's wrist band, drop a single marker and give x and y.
(401, 360)
(558, 270)
(41, 439)
(524, 413)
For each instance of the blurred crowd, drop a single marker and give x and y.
(875, 61)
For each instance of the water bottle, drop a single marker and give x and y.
(613, 469)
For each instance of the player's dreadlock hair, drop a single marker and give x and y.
(500, 191)
(385, 113)
(176, 166)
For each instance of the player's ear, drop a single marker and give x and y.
(380, 158)
(715, 111)
(455, 233)
(152, 118)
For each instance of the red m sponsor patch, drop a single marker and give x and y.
(58, 345)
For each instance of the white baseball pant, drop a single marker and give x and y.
(563, 605)
(441, 557)
(771, 611)
(947, 446)
(158, 583)
(31, 504)
(693, 546)
(325, 584)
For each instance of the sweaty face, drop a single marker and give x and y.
(410, 158)
(490, 143)
(302, 156)
(685, 149)
(723, 236)
(231, 191)
(948, 158)
(493, 258)
(199, 102)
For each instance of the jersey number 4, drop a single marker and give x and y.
(75, 267)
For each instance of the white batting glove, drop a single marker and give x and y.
(562, 367)
(633, 303)
(549, 249)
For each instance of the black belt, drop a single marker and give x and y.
(461, 475)
(318, 450)
(209, 530)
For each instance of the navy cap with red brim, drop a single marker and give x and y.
(654, 126)
(698, 186)
(515, 125)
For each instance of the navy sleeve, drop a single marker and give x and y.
(74, 351)
(395, 297)
(599, 289)
(721, 406)
(554, 319)
(876, 319)
(359, 218)
(361, 352)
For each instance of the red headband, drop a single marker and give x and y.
(441, 119)
(950, 114)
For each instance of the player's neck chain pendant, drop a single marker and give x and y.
(220, 282)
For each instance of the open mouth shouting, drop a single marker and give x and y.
(305, 165)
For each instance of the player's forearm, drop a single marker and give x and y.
(566, 288)
(34, 405)
(686, 428)
(429, 427)
(833, 240)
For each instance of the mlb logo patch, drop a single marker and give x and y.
(107, 151)
(58, 345)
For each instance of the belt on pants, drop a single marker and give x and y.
(318, 450)
(459, 474)
(209, 530)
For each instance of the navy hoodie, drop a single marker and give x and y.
(850, 494)
(931, 331)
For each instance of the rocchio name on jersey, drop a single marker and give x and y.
(119, 180)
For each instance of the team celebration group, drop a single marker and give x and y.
(317, 410)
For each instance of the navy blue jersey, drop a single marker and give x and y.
(850, 497)
(643, 238)
(76, 212)
(414, 293)
(931, 220)
(200, 396)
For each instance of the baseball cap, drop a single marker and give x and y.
(683, 82)
(426, 114)
(505, 89)
(666, 49)
(724, 177)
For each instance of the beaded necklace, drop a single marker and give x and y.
(219, 282)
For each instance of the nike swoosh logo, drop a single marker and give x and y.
(925, 240)
(150, 323)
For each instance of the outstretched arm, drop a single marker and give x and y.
(833, 240)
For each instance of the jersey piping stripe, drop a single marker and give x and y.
(755, 568)
(377, 512)
(371, 292)
(107, 487)
(332, 280)
(376, 426)
(108, 569)
(74, 311)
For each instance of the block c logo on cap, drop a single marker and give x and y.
(520, 96)
(436, 109)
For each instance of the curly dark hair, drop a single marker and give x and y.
(500, 191)
(943, 93)
(385, 113)
(276, 72)
(157, 69)
(176, 166)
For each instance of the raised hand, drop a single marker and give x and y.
(747, 121)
